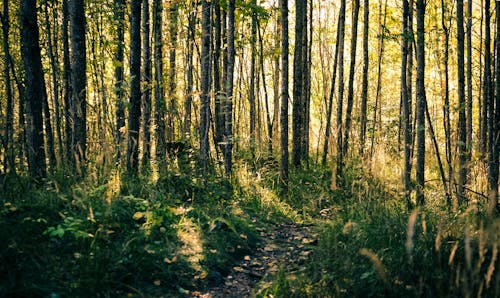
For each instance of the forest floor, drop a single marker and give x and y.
(285, 247)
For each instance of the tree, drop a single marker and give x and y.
(159, 98)
(205, 85)
(350, 90)
(340, 99)
(134, 113)
(366, 62)
(421, 101)
(78, 79)
(35, 87)
(68, 105)
(405, 97)
(119, 19)
(300, 77)
(493, 205)
(252, 96)
(146, 78)
(284, 98)
(172, 84)
(228, 105)
(462, 121)
(9, 121)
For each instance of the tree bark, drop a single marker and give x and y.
(253, 76)
(79, 80)
(205, 86)
(35, 87)
(462, 121)
(340, 100)
(228, 105)
(364, 84)
(350, 90)
(420, 113)
(284, 98)
(146, 78)
(172, 70)
(159, 97)
(406, 106)
(9, 121)
(119, 19)
(134, 114)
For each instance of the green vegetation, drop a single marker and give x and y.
(118, 236)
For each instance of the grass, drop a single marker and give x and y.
(148, 236)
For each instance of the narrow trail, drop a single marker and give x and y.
(285, 246)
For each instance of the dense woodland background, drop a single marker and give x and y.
(132, 131)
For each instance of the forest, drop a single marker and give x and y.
(249, 148)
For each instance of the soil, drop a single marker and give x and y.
(286, 247)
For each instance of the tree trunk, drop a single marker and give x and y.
(134, 114)
(406, 106)
(276, 78)
(228, 105)
(284, 98)
(172, 83)
(159, 98)
(493, 206)
(79, 80)
(205, 86)
(446, 106)
(68, 106)
(350, 90)
(218, 88)
(9, 121)
(340, 100)
(35, 87)
(366, 62)
(420, 113)
(119, 19)
(251, 96)
(299, 83)
(469, 85)
(269, 122)
(190, 70)
(146, 78)
(462, 121)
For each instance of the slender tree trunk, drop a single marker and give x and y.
(54, 65)
(35, 87)
(134, 114)
(406, 106)
(228, 104)
(49, 134)
(205, 86)
(172, 83)
(469, 85)
(340, 100)
(159, 97)
(252, 96)
(420, 113)
(366, 62)
(284, 98)
(190, 70)
(218, 88)
(119, 19)
(146, 78)
(299, 82)
(9, 121)
(493, 205)
(79, 80)
(483, 100)
(350, 90)
(276, 77)
(462, 121)
(446, 106)
(68, 104)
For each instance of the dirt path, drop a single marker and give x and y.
(285, 246)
